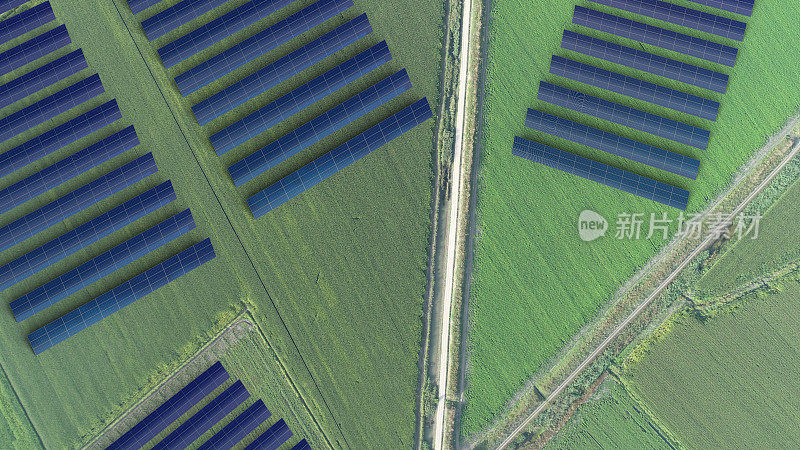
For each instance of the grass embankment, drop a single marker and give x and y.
(343, 263)
(536, 283)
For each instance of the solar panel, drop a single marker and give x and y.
(238, 428)
(318, 128)
(601, 173)
(218, 29)
(301, 98)
(33, 49)
(743, 7)
(177, 15)
(207, 417)
(86, 234)
(8, 5)
(302, 445)
(26, 21)
(40, 78)
(49, 107)
(121, 296)
(138, 6)
(273, 438)
(282, 69)
(60, 136)
(69, 167)
(633, 87)
(177, 405)
(647, 62)
(624, 115)
(679, 15)
(102, 265)
(76, 201)
(337, 159)
(259, 44)
(611, 143)
(660, 37)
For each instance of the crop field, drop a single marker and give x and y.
(535, 282)
(611, 419)
(729, 381)
(335, 278)
(749, 259)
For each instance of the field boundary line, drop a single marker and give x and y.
(227, 217)
(663, 285)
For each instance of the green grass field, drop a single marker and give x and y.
(729, 381)
(535, 282)
(343, 263)
(611, 419)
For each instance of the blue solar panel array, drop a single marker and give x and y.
(60, 136)
(33, 49)
(318, 128)
(624, 115)
(138, 6)
(95, 269)
(206, 418)
(76, 201)
(660, 37)
(177, 15)
(300, 98)
(177, 405)
(743, 7)
(680, 15)
(26, 21)
(601, 173)
(8, 5)
(40, 78)
(273, 438)
(632, 87)
(49, 107)
(647, 62)
(337, 159)
(282, 69)
(69, 167)
(238, 428)
(611, 143)
(86, 234)
(302, 445)
(121, 296)
(218, 29)
(259, 44)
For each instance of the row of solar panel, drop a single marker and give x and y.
(202, 421)
(26, 21)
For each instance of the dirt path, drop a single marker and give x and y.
(642, 306)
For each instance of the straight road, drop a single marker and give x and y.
(633, 315)
(451, 244)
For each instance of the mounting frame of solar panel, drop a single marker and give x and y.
(177, 15)
(274, 437)
(646, 62)
(282, 69)
(8, 5)
(238, 428)
(42, 77)
(33, 49)
(659, 37)
(635, 88)
(26, 21)
(601, 173)
(743, 7)
(682, 16)
(623, 115)
(612, 143)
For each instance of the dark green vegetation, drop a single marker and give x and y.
(536, 282)
(343, 263)
(611, 419)
(729, 381)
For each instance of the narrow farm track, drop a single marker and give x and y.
(642, 306)
(451, 243)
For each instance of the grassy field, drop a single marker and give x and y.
(611, 419)
(344, 304)
(729, 381)
(535, 282)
